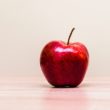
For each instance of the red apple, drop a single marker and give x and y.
(64, 64)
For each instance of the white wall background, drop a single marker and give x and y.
(27, 25)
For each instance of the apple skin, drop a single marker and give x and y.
(64, 65)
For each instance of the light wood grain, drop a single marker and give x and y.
(34, 93)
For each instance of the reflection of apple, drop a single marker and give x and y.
(64, 64)
(63, 99)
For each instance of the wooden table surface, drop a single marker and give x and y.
(34, 93)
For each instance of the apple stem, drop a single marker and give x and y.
(70, 36)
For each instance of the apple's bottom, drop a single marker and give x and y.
(65, 86)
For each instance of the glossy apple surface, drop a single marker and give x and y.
(64, 64)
